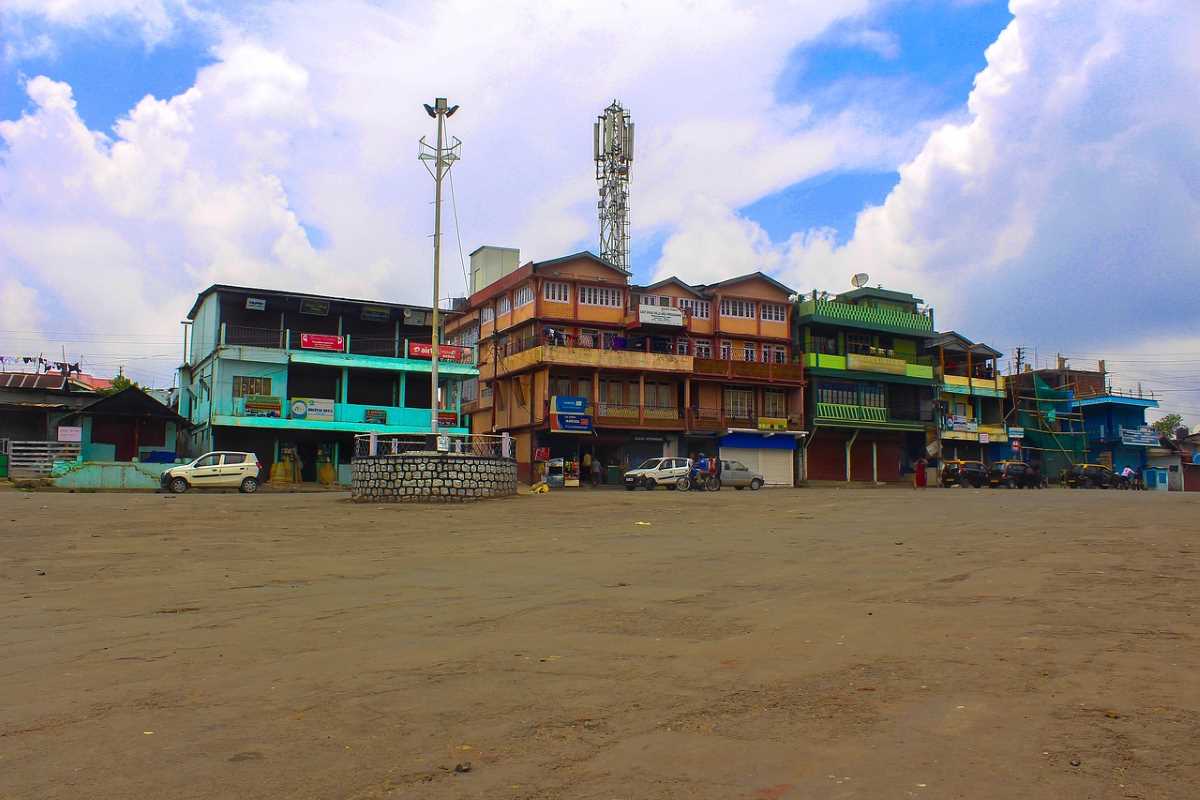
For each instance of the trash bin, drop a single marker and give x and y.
(3, 465)
(614, 475)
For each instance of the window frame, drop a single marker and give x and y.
(737, 308)
(700, 309)
(596, 296)
(705, 345)
(523, 296)
(551, 294)
(241, 382)
(726, 350)
(503, 305)
(775, 309)
(487, 314)
(749, 352)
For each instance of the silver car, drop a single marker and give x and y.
(739, 476)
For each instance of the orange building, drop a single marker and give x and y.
(578, 364)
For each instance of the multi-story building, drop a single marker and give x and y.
(971, 400)
(871, 388)
(575, 360)
(269, 370)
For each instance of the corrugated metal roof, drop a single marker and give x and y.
(29, 380)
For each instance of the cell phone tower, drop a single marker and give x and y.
(612, 135)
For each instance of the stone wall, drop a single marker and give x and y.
(431, 478)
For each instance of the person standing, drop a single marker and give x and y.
(919, 476)
(595, 472)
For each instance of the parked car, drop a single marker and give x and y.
(739, 476)
(215, 470)
(964, 473)
(1014, 475)
(1093, 476)
(654, 472)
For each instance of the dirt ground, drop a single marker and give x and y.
(813, 643)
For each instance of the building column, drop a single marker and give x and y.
(345, 381)
(642, 397)
(687, 396)
(849, 447)
(403, 382)
(874, 462)
(595, 392)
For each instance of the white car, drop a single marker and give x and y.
(215, 470)
(654, 472)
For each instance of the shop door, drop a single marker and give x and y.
(776, 467)
(827, 457)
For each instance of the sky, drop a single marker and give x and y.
(1028, 168)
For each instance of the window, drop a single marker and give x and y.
(557, 292)
(487, 314)
(703, 348)
(726, 351)
(838, 393)
(588, 337)
(244, 386)
(742, 309)
(700, 309)
(682, 347)
(503, 305)
(739, 403)
(236, 458)
(600, 296)
(209, 460)
(858, 343)
(664, 301)
(873, 395)
(524, 296)
(824, 344)
(774, 404)
(749, 350)
(774, 312)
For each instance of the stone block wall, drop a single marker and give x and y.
(431, 478)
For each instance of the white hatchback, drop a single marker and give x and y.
(215, 470)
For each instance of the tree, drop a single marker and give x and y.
(1167, 425)
(119, 384)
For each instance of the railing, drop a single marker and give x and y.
(254, 337)
(375, 346)
(849, 413)
(751, 370)
(1134, 394)
(475, 444)
(887, 318)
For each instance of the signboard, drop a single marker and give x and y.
(70, 433)
(772, 424)
(541, 454)
(1016, 433)
(443, 443)
(447, 419)
(985, 438)
(314, 307)
(312, 408)
(263, 405)
(446, 352)
(893, 366)
(323, 341)
(570, 423)
(1145, 436)
(660, 315)
(375, 416)
(376, 313)
(962, 424)
(256, 304)
(568, 404)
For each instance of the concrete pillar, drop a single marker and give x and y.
(641, 397)
(874, 462)
(345, 383)
(403, 381)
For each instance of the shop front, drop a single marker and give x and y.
(771, 454)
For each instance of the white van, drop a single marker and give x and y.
(216, 470)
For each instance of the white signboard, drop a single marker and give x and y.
(256, 304)
(1016, 433)
(985, 438)
(312, 408)
(70, 433)
(660, 315)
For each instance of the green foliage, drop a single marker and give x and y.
(120, 383)
(1167, 425)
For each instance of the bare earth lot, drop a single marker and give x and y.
(819, 643)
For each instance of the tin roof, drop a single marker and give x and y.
(32, 381)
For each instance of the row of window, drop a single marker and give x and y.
(615, 393)
(606, 297)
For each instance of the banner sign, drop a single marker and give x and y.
(447, 419)
(375, 416)
(323, 341)
(376, 313)
(985, 438)
(568, 404)
(1016, 433)
(772, 424)
(263, 405)
(893, 366)
(660, 315)
(541, 454)
(312, 408)
(256, 304)
(70, 433)
(314, 307)
(446, 352)
(1144, 436)
(570, 423)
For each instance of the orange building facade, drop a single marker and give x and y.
(578, 364)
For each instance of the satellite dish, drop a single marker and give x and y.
(860, 280)
(408, 313)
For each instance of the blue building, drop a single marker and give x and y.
(285, 372)
(1117, 433)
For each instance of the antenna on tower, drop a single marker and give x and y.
(612, 136)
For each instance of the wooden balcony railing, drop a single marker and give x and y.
(748, 370)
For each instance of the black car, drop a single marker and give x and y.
(1093, 476)
(1014, 475)
(964, 473)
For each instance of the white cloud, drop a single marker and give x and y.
(311, 115)
(155, 19)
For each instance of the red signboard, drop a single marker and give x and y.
(446, 352)
(447, 419)
(541, 454)
(323, 341)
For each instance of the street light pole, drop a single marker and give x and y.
(443, 157)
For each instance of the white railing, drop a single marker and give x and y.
(476, 444)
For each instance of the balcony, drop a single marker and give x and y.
(854, 416)
(832, 312)
(341, 417)
(748, 370)
(410, 354)
(592, 358)
(621, 415)
(984, 387)
(715, 420)
(861, 362)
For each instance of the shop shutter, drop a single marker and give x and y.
(776, 467)
(827, 457)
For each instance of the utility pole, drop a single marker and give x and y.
(1018, 360)
(443, 157)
